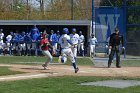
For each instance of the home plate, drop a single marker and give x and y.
(114, 83)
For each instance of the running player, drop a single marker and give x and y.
(74, 37)
(66, 44)
(45, 50)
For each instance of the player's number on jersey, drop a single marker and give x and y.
(62, 40)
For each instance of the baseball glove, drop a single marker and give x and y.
(123, 50)
(43, 46)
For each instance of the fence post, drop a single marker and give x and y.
(93, 16)
(125, 22)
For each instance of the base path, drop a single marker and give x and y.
(62, 70)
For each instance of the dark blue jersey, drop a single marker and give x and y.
(53, 39)
(33, 31)
(28, 39)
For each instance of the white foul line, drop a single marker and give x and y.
(24, 77)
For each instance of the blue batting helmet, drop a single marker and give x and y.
(62, 59)
(74, 30)
(65, 30)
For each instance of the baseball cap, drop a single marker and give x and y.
(116, 29)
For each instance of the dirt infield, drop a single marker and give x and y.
(61, 70)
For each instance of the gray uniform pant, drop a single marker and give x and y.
(115, 49)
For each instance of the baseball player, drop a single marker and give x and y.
(81, 43)
(44, 46)
(53, 41)
(92, 43)
(28, 42)
(18, 38)
(13, 43)
(66, 44)
(1, 40)
(74, 37)
(34, 42)
(34, 30)
(22, 45)
(8, 42)
(58, 46)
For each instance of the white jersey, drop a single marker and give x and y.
(81, 39)
(1, 38)
(8, 38)
(92, 41)
(63, 41)
(74, 38)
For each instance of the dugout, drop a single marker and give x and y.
(26, 25)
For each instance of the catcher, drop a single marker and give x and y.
(44, 45)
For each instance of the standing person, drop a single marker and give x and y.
(8, 42)
(22, 45)
(1, 40)
(45, 32)
(28, 42)
(66, 44)
(34, 42)
(34, 30)
(8, 39)
(45, 50)
(114, 44)
(92, 43)
(74, 37)
(53, 41)
(18, 39)
(81, 44)
(58, 34)
(58, 46)
(13, 44)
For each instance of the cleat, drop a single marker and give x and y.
(109, 65)
(118, 66)
(45, 67)
(76, 70)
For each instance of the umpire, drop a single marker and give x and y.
(114, 44)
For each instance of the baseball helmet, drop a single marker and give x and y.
(65, 30)
(62, 59)
(74, 30)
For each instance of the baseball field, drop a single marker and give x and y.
(26, 75)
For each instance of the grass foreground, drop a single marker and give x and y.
(34, 60)
(5, 71)
(65, 84)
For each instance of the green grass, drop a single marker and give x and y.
(40, 60)
(19, 59)
(65, 84)
(131, 63)
(5, 71)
